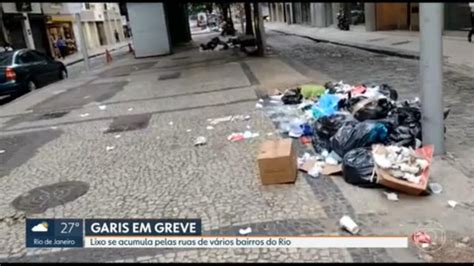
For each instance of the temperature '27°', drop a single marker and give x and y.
(67, 227)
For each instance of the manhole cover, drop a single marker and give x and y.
(40, 199)
(128, 123)
(173, 75)
(52, 115)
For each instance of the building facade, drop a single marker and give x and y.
(374, 16)
(22, 25)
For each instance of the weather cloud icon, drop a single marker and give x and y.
(42, 227)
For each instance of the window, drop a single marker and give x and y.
(39, 56)
(87, 6)
(105, 6)
(6, 58)
(26, 58)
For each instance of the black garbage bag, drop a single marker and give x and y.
(358, 167)
(292, 96)
(388, 91)
(357, 135)
(327, 126)
(402, 136)
(377, 109)
(320, 144)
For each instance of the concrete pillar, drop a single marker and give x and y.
(297, 13)
(328, 12)
(369, 12)
(335, 10)
(431, 74)
(82, 40)
(28, 35)
(319, 15)
(259, 28)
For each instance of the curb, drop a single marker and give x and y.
(370, 48)
(95, 55)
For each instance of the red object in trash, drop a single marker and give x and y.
(236, 137)
(359, 89)
(305, 140)
(421, 237)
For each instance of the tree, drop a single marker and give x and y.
(195, 8)
(248, 19)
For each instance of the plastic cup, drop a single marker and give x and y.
(348, 224)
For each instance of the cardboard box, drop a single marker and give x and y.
(277, 162)
(326, 169)
(386, 179)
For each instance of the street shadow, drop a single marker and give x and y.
(10, 98)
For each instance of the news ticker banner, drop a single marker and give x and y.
(176, 233)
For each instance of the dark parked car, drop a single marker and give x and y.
(25, 70)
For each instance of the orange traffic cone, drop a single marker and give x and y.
(108, 56)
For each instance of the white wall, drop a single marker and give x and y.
(149, 29)
(61, 8)
(11, 8)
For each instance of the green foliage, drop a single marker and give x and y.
(195, 8)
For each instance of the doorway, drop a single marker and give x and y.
(101, 33)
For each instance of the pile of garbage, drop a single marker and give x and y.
(246, 44)
(215, 44)
(345, 121)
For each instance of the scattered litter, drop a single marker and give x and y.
(349, 225)
(157, 137)
(452, 203)
(408, 169)
(109, 148)
(118, 136)
(276, 97)
(260, 100)
(248, 127)
(391, 196)
(209, 127)
(258, 106)
(84, 115)
(465, 239)
(247, 134)
(58, 92)
(130, 109)
(170, 123)
(200, 141)
(425, 245)
(436, 188)
(305, 140)
(215, 121)
(245, 231)
(54, 127)
(270, 134)
(315, 171)
(102, 107)
(236, 137)
(188, 130)
(420, 237)
(87, 97)
(2, 151)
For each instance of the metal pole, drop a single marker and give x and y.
(431, 74)
(259, 28)
(82, 41)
